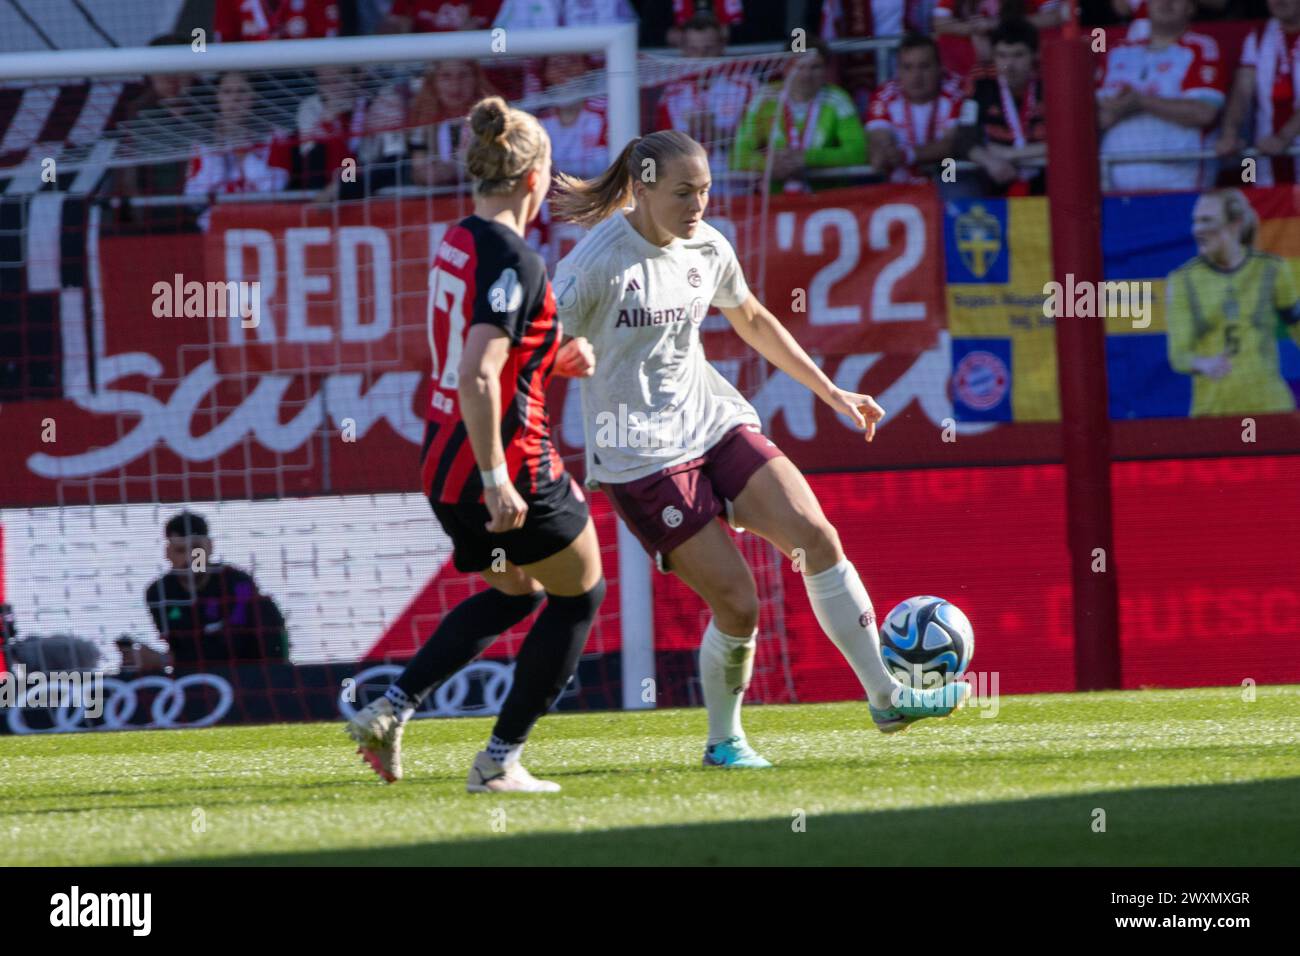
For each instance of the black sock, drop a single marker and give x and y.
(547, 660)
(463, 635)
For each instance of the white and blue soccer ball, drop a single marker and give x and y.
(926, 642)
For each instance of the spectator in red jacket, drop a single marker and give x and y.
(250, 20)
(1161, 93)
(331, 129)
(440, 16)
(912, 122)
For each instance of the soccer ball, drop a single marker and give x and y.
(926, 642)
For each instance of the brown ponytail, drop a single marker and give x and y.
(505, 144)
(590, 201)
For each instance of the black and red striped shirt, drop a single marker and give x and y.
(484, 272)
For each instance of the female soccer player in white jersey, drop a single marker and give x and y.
(489, 465)
(638, 286)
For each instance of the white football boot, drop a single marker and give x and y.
(378, 732)
(488, 776)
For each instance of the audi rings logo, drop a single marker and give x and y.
(491, 679)
(121, 706)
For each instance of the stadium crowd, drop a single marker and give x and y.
(1184, 90)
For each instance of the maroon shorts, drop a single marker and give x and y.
(666, 509)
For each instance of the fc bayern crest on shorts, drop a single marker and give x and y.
(867, 618)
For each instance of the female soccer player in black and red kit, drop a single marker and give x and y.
(490, 469)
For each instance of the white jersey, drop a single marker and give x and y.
(654, 400)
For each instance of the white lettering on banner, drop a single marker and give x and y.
(301, 282)
(820, 311)
(925, 381)
(391, 398)
(883, 306)
(263, 245)
(353, 329)
(844, 224)
(356, 265)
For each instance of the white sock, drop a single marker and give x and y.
(842, 606)
(726, 666)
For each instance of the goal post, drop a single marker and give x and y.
(1074, 194)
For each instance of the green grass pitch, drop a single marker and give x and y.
(1198, 777)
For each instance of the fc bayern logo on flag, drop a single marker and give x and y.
(981, 380)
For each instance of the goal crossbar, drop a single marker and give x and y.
(618, 42)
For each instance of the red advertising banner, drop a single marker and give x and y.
(172, 395)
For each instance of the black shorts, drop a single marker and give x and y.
(553, 521)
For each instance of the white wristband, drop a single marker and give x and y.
(497, 476)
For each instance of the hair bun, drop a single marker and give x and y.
(489, 119)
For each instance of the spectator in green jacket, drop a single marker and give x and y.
(800, 124)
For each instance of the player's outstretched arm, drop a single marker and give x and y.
(764, 333)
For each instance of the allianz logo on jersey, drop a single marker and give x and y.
(636, 318)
